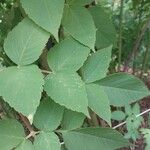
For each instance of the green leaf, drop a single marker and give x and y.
(98, 101)
(25, 145)
(79, 2)
(128, 110)
(133, 123)
(96, 66)
(21, 87)
(123, 89)
(106, 34)
(132, 134)
(97, 138)
(118, 115)
(46, 13)
(47, 141)
(25, 42)
(146, 133)
(48, 115)
(11, 134)
(68, 90)
(78, 22)
(72, 120)
(136, 109)
(67, 55)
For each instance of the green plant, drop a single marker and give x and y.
(52, 100)
(146, 133)
(132, 122)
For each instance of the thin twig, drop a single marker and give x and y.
(137, 43)
(120, 33)
(32, 134)
(145, 58)
(46, 71)
(121, 124)
(62, 143)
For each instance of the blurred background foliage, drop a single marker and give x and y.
(10, 15)
(135, 31)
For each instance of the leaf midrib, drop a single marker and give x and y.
(122, 88)
(102, 137)
(26, 44)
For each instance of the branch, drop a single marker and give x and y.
(121, 124)
(26, 123)
(28, 126)
(120, 34)
(137, 42)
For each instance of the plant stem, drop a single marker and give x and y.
(46, 71)
(21, 9)
(32, 134)
(137, 42)
(140, 12)
(120, 33)
(145, 59)
(94, 119)
(26, 123)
